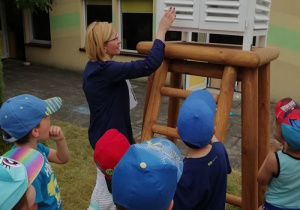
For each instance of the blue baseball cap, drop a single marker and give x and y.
(20, 114)
(291, 129)
(17, 174)
(146, 177)
(195, 121)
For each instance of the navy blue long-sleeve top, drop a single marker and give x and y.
(107, 93)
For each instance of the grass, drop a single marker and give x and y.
(77, 178)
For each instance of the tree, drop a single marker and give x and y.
(34, 4)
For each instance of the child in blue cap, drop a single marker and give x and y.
(146, 176)
(280, 170)
(25, 120)
(204, 179)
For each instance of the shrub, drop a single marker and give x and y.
(4, 146)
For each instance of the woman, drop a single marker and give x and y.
(104, 80)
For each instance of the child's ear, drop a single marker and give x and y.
(34, 132)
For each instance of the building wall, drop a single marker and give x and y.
(284, 33)
(67, 24)
(66, 21)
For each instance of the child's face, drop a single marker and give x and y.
(277, 133)
(44, 128)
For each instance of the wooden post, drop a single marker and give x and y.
(263, 121)
(224, 102)
(148, 91)
(249, 138)
(174, 103)
(154, 100)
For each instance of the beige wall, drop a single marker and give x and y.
(285, 77)
(284, 33)
(66, 41)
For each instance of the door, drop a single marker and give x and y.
(3, 33)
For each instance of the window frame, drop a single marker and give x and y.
(121, 32)
(85, 4)
(31, 31)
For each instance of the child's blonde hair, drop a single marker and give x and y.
(97, 34)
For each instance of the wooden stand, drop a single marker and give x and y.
(231, 64)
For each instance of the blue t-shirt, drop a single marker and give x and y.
(106, 91)
(203, 182)
(46, 186)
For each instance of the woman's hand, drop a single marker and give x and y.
(165, 23)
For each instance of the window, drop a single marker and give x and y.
(98, 10)
(227, 39)
(137, 22)
(177, 36)
(40, 27)
(136, 28)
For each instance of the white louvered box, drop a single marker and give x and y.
(247, 18)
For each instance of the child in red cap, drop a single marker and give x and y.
(109, 149)
(280, 170)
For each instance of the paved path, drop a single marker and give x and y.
(46, 82)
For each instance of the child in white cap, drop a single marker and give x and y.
(204, 179)
(280, 170)
(25, 121)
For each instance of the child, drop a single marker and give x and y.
(109, 150)
(18, 168)
(146, 176)
(204, 179)
(25, 120)
(280, 170)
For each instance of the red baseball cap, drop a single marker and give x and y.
(284, 108)
(288, 115)
(109, 149)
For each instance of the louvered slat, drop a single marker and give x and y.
(182, 9)
(261, 17)
(221, 19)
(184, 17)
(267, 1)
(178, 3)
(260, 26)
(223, 3)
(222, 11)
(262, 7)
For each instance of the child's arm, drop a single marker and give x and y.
(268, 169)
(59, 155)
(30, 195)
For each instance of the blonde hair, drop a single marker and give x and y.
(97, 34)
